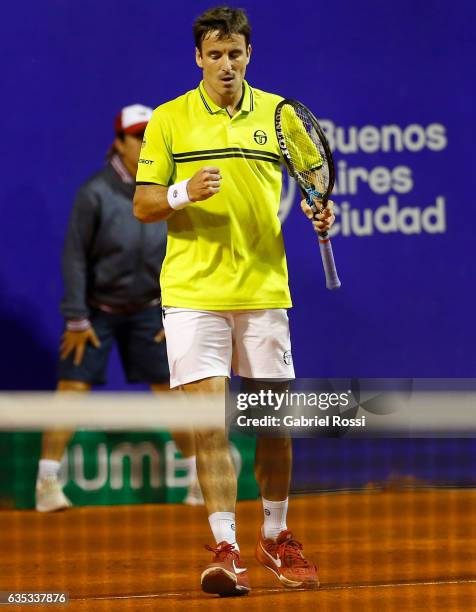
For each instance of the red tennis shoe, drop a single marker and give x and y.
(225, 575)
(285, 559)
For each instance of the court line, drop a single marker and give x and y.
(264, 591)
(335, 587)
(324, 587)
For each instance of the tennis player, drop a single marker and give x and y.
(210, 165)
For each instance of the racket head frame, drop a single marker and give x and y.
(308, 190)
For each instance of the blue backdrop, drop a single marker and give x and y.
(391, 81)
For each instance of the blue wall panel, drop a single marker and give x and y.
(406, 307)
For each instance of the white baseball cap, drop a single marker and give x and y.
(132, 119)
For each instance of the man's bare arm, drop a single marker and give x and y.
(151, 203)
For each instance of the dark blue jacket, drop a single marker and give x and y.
(109, 256)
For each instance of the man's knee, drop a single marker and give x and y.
(210, 439)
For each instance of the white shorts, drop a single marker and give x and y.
(206, 343)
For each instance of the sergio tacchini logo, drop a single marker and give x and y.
(260, 137)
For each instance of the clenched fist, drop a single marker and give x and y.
(204, 184)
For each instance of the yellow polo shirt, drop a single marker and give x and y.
(227, 252)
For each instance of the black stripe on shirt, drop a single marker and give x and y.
(225, 155)
(272, 156)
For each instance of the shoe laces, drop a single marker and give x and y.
(289, 549)
(222, 551)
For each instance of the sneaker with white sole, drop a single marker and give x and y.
(285, 558)
(225, 575)
(49, 495)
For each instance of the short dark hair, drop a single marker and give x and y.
(225, 21)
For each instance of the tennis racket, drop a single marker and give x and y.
(309, 161)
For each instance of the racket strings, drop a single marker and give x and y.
(304, 148)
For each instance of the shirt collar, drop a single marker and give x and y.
(247, 103)
(118, 165)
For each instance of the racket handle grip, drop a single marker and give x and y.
(332, 280)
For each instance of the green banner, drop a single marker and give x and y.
(112, 468)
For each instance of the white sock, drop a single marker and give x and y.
(223, 527)
(48, 467)
(274, 517)
(190, 465)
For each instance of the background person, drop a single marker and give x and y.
(112, 294)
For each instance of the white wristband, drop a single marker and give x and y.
(177, 195)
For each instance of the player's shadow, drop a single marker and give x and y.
(27, 361)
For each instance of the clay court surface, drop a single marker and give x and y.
(410, 550)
